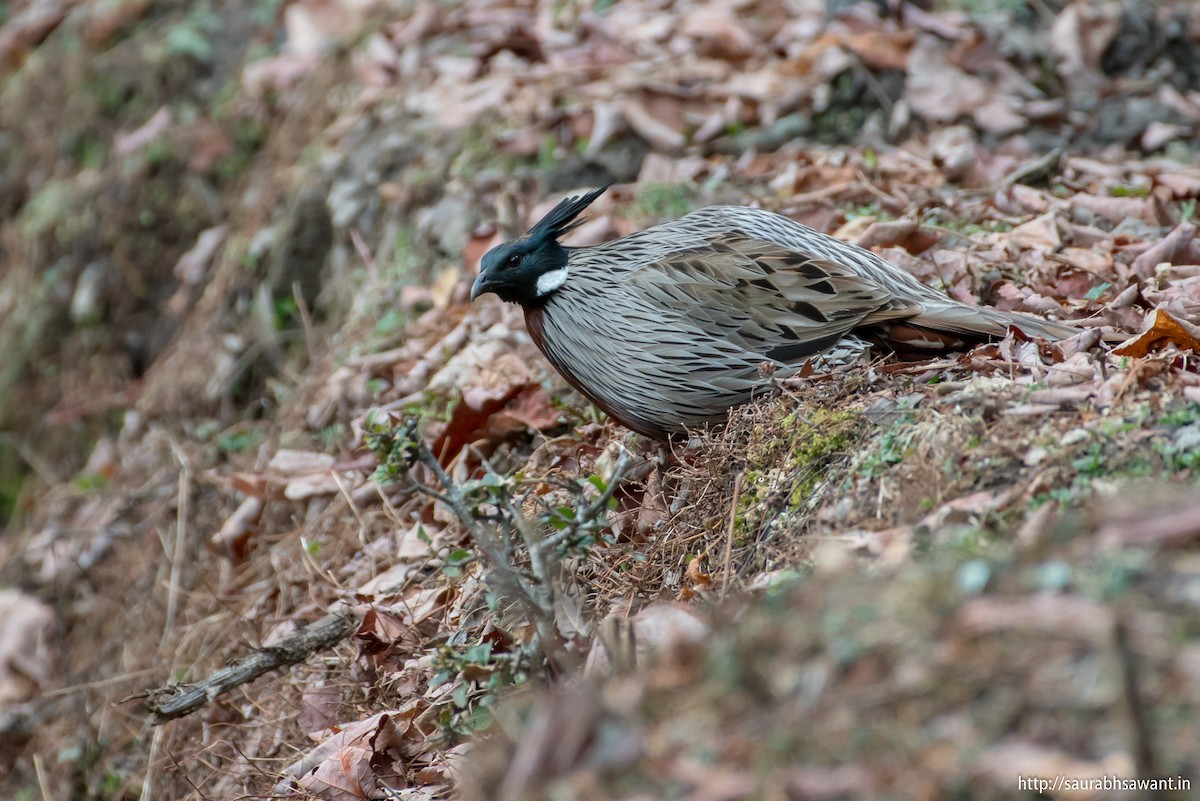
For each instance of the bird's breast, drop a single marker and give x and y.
(535, 324)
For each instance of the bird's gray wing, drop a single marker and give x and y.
(764, 298)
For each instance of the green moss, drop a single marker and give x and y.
(787, 461)
(814, 446)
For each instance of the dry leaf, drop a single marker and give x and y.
(938, 90)
(659, 134)
(319, 706)
(235, 533)
(126, 144)
(29, 24)
(1168, 250)
(1006, 760)
(718, 33)
(26, 662)
(341, 768)
(1040, 233)
(1164, 330)
(1176, 528)
(531, 409)
(1065, 615)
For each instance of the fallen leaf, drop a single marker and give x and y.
(938, 90)
(1183, 183)
(319, 707)
(657, 629)
(1168, 249)
(1177, 528)
(1039, 233)
(1163, 330)
(235, 533)
(295, 462)
(126, 144)
(1007, 759)
(719, 34)
(27, 26)
(26, 661)
(342, 767)
(444, 285)
(1079, 37)
(1067, 615)
(814, 783)
(1116, 209)
(1159, 133)
(531, 409)
(469, 418)
(381, 628)
(881, 50)
(658, 133)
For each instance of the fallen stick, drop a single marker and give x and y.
(176, 700)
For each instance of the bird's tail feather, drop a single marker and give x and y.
(981, 321)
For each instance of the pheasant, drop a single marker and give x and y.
(669, 328)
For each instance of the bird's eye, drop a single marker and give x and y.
(513, 260)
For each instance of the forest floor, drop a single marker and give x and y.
(236, 246)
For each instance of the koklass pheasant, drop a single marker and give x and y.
(668, 328)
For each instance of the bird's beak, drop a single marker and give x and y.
(480, 287)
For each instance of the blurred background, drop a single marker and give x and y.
(228, 229)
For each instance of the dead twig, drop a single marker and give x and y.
(733, 505)
(182, 515)
(1033, 170)
(537, 589)
(176, 700)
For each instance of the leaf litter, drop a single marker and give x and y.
(922, 553)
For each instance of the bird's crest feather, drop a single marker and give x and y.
(561, 218)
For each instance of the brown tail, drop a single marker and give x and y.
(956, 326)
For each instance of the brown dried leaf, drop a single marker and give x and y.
(813, 783)
(1169, 249)
(884, 234)
(1164, 330)
(1183, 182)
(881, 50)
(26, 661)
(1007, 759)
(442, 290)
(1159, 133)
(1176, 528)
(340, 768)
(235, 533)
(319, 707)
(471, 417)
(718, 33)
(938, 90)
(656, 131)
(28, 26)
(531, 409)
(1116, 209)
(277, 73)
(1067, 615)
(307, 473)
(479, 243)
(126, 144)
(1079, 37)
(1089, 260)
(1040, 233)
(381, 628)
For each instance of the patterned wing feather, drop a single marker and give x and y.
(765, 298)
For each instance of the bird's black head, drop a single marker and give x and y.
(528, 269)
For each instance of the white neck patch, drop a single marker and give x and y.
(548, 282)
